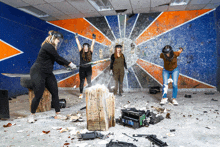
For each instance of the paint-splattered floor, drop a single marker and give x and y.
(196, 122)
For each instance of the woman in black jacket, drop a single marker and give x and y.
(117, 68)
(85, 71)
(42, 75)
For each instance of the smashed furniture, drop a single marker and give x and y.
(100, 108)
(134, 118)
(153, 139)
(138, 118)
(119, 144)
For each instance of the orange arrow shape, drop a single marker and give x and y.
(82, 27)
(8, 51)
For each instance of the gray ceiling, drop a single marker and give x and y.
(68, 9)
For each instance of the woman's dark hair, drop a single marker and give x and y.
(168, 50)
(88, 55)
(115, 54)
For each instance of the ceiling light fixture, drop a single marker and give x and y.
(101, 5)
(179, 2)
(34, 11)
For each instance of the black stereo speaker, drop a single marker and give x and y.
(4, 104)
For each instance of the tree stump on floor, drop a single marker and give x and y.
(100, 108)
(45, 102)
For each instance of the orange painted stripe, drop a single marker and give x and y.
(167, 21)
(74, 80)
(7, 51)
(183, 82)
(82, 27)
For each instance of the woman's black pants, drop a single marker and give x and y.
(41, 80)
(85, 73)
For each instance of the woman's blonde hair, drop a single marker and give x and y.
(48, 39)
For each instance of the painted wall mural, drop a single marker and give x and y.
(142, 35)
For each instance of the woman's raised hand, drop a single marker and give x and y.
(76, 35)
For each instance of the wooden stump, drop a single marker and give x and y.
(100, 108)
(45, 102)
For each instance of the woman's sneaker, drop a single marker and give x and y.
(80, 96)
(163, 101)
(31, 118)
(174, 102)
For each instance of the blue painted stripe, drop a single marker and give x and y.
(113, 23)
(129, 24)
(132, 81)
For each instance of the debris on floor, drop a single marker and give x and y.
(188, 96)
(8, 125)
(152, 138)
(209, 93)
(134, 118)
(154, 90)
(172, 130)
(188, 122)
(168, 116)
(130, 137)
(83, 108)
(119, 144)
(170, 134)
(46, 132)
(158, 109)
(213, 99)
(138, 118)
(90, 135)
(154, 118)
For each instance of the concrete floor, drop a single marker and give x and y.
(194, 128)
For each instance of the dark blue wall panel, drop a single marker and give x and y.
(132, 80)
(217, 15)
(129, 24)
(113, 23)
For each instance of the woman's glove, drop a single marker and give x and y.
(72, 66)
(76, 35)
